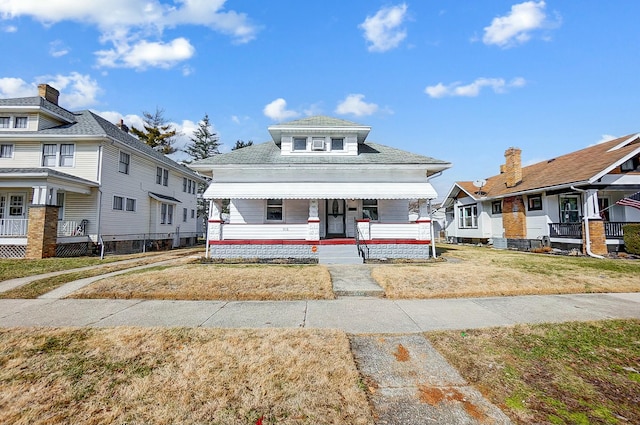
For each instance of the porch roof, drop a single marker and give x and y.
(311, 190)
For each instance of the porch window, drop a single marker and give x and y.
(118, 203)
(274, 209)
(468, 216)
(535, 202)
(569, 212)
(6, 151)
(603, 206)
(370, 209)
(125, 161)
(496, 207)
(337, 144)
(66, 155)
(299, 144)
(49, 155)
(20, 122)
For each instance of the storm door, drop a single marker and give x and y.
(335, 218)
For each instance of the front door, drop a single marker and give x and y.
(335, 218)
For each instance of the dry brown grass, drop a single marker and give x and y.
(217, 282)
(478, 272)
(178, 377)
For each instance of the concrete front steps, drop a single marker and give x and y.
(335, 252)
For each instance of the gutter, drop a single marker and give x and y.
(587, 236)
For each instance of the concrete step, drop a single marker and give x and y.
(339, 254)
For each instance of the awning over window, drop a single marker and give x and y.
(164, 198)
(302, 190)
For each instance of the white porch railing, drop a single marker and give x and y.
(265, 231)
(13, 226)
(71, 228)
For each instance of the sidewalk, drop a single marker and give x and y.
(354, 315)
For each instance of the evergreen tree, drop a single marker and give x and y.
(241, 144)
(205, 141)
(157, 133)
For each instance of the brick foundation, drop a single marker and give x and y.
(42, 233)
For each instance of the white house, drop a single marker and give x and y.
(568, 201)
(72, 180)
(319, 182)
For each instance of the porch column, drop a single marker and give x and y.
(424, 221)
(597, 235)
(214, 225)
(313, 230)
(42, 233)
(44, 195)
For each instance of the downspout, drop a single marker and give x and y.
(587, 236)
(99, 178)
(431, 231)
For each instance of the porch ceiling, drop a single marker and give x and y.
(311, 190)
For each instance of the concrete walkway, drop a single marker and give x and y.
(353, 280)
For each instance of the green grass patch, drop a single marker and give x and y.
(570, 373)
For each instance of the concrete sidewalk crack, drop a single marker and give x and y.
(213, 314)
(112, 314)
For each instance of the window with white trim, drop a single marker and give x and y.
(193, 213)
(299, 144)
(125, 162)
(20, 122)
(370, 209)
(165, 177)
(496, 207)
(158, 175)
(274, 209)
(67, 151)
(468, 216)
(569, 209)
(337, 144)
(49, 155)
(118, 203)
(185, 213)
(166, 213)
(131, 204)
(184, 184)
(5, 122)
(535, 202)
(6, 151)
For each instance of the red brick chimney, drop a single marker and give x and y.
(49, 93)
(512, 167)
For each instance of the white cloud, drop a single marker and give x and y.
(10, 28)
(605, 138)
(76, 90)
(58, 49)
(383, 30)
(145, 54)
(516, 27)
(498, 85)
(277, 110)
(355, 105)
(127, 24)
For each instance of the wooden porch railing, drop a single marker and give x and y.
(612, 229)
(14, 226)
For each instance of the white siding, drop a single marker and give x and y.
(394, 231)
(296, 211)
(247, 211)
(79, 207)
(45, 122)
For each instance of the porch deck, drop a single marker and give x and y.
(612, 230)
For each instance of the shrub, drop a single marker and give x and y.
(631, 238)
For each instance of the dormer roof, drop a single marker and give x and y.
(319, 125)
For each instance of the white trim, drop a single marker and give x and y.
(320, 190)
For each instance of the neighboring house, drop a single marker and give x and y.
(72, 180)
(551, 201)
(319, 182)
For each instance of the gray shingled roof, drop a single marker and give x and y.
(269, 153)
(86, 123)
(47, 172)
(38, 101)
(320, 121)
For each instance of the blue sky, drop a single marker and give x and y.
(456, 80)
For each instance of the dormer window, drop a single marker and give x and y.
(4, 122)
(299, 144)
(21, 122)
(317, 144)
(337, 144)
